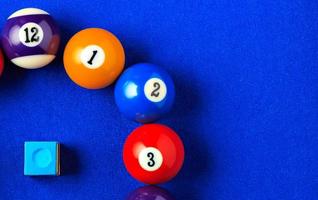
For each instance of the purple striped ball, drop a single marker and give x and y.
(30, 38)
(150, 193)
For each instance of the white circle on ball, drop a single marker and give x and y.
(155, 90)
(31, 34)
(92, 56)
(150, 159)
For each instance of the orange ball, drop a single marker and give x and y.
(94, 58)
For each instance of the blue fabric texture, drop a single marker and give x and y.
(246, 106)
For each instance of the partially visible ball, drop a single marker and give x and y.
(94, 58)
(150, 193)
(153, 154)
(30, 38)
(144, 92)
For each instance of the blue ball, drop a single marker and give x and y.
(144, 92)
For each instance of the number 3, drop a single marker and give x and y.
(151, 162)
(150, 159)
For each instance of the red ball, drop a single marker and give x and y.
(1, 63)
(153, 154)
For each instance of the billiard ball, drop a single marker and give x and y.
(150, 193)
(144, 92)
(1, 63)
(30, 38)
(153, 153)
(94, 58)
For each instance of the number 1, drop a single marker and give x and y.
(92, 58)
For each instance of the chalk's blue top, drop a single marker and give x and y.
(41, 158)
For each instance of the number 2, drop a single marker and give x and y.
(34, 38)
(151, 162)
(155, 92)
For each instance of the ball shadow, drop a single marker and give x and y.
(188, 106)
(134, 55)
(70, 164)
(12, 77)
(67, 29)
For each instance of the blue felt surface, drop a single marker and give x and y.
(246, 75)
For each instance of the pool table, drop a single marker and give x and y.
(246, 106)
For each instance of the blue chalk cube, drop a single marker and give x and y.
(41, 158)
